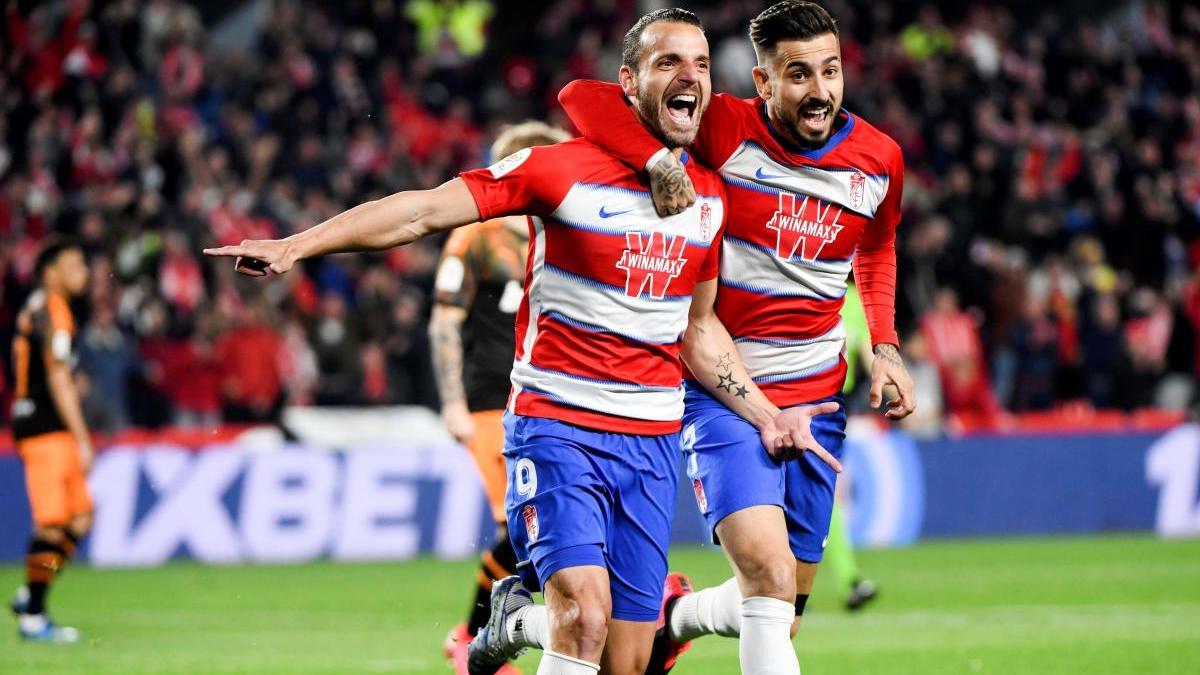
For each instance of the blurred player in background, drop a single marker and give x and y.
(839, 551)
(52, 438)
(478, 290)
(814, 190)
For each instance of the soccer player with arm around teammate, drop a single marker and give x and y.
(477, 292)
(52, 438)
(813, 190)
(593, 419)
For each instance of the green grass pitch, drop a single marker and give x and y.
(1096, 605)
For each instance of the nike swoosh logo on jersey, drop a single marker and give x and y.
(766, 176)
(610, 214)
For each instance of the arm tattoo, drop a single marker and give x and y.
(725, 376)
(726, 382)
(725, 362)
(668, 178)
(448, 360)
(889, 353)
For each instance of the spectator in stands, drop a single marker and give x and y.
(108, 358)
(952, 336)
(249, 356)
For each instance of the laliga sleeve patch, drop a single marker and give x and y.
(506, 165)
(60, 345)
(450, 275)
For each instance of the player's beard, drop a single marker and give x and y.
(653, 111)
(793, 120)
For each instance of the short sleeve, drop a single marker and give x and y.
(455, 282)
(520, 184)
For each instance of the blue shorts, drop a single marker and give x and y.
(730, 471)
(581, 497)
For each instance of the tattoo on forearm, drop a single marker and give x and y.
(725, 382)
(889, 353)
(447, 362)
(725, 377)
(669, 178)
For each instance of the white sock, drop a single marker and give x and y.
(554, 663)
(528, 627)
(766, 644)
(711, 611)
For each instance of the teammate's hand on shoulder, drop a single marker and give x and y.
(255, 257)
(458, 421)
(670, 186)
(790, 434)
(887, 370)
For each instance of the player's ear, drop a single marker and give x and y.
(762, 82)
(628, 80)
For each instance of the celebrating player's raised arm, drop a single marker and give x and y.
(395, 220)
(711, 355)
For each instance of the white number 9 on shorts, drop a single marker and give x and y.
(525, 477)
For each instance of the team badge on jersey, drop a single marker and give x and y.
(705, 221)
(650, 262)
(531, 522)
(701, 498)
(804, 225)
(858, 183)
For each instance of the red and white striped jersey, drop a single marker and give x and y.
(608, 285)
(799, 221)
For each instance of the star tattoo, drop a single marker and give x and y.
(725, 362)
(741, 392)
(726, 382)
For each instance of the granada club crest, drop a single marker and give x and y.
(705, 221)
(651, 261)
(858, 183)
(804, 225)
(531, 522)
(701, 499)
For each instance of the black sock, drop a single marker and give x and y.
(41, 563)
(37, 597)
(498, 562)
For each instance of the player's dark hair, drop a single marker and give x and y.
(631, 48)
(790, 20)
(54, 247)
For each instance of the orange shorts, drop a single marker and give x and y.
(487, 447)
(54, 478)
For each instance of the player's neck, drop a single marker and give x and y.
(50, 288)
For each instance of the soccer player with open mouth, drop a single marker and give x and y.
(592, 425)
(814, 191)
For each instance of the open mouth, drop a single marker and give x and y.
(816, 117)
(681, 108)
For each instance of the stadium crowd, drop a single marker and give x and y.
(1050, 250)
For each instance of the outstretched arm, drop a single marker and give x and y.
(709, 352)
(395, 220)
